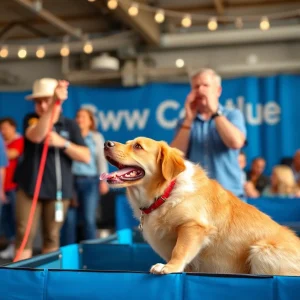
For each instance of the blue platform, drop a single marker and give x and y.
(108, 269)
(117, 268)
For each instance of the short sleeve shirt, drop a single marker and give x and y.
(3, 156)
(16, 144)
(207, 148)
(68, 129)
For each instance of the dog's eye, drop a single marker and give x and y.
(137, 146)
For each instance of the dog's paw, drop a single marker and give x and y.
(165, 269)
(157, 269)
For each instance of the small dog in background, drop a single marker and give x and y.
(191, 221)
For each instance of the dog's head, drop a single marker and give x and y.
(142, 160)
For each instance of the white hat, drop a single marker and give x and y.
(43, 88)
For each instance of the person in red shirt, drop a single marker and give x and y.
(14, 149)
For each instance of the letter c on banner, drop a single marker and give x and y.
(160, 114)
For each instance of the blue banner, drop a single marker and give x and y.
(270, 105)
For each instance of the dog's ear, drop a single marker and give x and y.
(171, 161)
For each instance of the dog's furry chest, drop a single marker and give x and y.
(158, 235)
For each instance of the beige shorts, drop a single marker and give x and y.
(45, 211)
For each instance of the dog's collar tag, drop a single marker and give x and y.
(141, 222)
(159, 201)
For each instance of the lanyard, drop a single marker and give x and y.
(58, 174)
(59, 215)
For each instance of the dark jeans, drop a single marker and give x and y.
(87, 193)
(8, 216)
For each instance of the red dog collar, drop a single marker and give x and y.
(160, 200)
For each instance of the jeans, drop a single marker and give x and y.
(87, 192)
(8, 216)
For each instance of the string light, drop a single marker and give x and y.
(4, 52)
(133, 10)
(65, 50)
(179, 63)
(212, 24)
(88, 47)
(264, 23)
(112, 4)
(40, 52)
(22, 53)
(186, 21)
(160, 16)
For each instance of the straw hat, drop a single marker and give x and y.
(42, 88)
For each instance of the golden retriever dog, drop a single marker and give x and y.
(191, 221)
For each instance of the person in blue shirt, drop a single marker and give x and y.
(87, 187)
(211, 134)
(3, 164)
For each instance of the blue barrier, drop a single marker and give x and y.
(117, 268)
(283, 210)
(119, 271)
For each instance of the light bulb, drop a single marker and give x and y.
(186, 21)
(4, 52)
(160, 16)
(40, 52)
(264, 23)
(22, 53)
(179, 63)
(65, 50)
(112, 4)
(212, 24)
(133, 10)
(88, 47)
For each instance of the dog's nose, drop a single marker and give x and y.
(109, 144)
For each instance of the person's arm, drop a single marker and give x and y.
(232, 129)
(16, 150)
(102, 162)
(36, 133)
(72, 149)
(3, 164)
(12, 153)
(183, 132)
(2, 179)
(182, 137)
(250, 190)
(79, 153)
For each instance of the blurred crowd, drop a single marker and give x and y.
(70, 190)
(283, 182)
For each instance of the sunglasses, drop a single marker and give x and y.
(42, 100)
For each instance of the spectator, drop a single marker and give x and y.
(283, 183)
(3, 164)
(87, 187)
(243, 163)
(211, 134)
(14, 149)
(66, 144)
(258, 181)
(296, 166)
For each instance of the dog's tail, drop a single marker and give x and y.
(275, 256)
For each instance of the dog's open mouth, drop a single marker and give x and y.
(125, 173)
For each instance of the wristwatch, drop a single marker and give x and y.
(217, 114)
(66, 145)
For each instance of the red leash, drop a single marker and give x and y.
(38, 185)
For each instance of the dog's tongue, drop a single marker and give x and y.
(118, 173)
